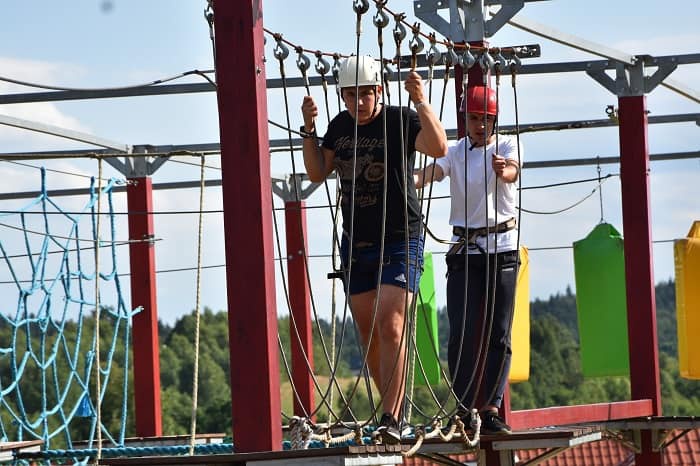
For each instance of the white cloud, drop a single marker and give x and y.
(661, 45)
(38, 72)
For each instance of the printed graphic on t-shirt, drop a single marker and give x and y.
(369, 170)
(363, 194)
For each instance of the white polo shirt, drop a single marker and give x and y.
(488, 199)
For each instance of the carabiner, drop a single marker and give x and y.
(303, 62)
(416, 45)
(500, 61)
(335, 69)
(399, 29)
(450, 58)
(322, 66)
(467, 60)
(433, 56)
(487, 63)
(381, 19)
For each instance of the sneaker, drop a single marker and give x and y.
(493, 424)
(388, 430)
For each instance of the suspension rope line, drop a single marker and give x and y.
(98, 387)
(360, 8)
(202, 73)
(449, 59)
(281, 53)
(197, 314)
(399, 33)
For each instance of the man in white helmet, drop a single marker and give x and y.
(362, 169)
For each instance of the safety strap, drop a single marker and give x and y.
(469, 235)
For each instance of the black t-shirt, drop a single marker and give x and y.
(370, 170)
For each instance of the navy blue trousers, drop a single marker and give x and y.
(470, 325)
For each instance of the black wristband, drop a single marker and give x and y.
(305, 134)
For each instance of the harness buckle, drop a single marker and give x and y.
(469, 235)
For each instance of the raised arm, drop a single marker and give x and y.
(431, 139)
(317, 159)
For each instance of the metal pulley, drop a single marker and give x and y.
(281, 51)
(360, 6)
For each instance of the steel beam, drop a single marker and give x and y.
(277, 83)
(547, 32)
(73, 135)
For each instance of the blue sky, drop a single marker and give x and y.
(96, 44)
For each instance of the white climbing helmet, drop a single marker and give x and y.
(368, 72)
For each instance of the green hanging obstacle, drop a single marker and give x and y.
(599, 266)
(427, 327)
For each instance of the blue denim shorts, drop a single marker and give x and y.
(395, 269)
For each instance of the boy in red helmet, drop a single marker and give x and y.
(483, 211)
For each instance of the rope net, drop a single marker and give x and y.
(48, 339)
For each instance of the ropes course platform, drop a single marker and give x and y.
(553, 440)
(537, 445)
(363, 455)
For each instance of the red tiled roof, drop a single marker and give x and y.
(683, 451)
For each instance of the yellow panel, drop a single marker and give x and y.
(520, 338)
(687, 264)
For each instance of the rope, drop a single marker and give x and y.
(102, 89)
(98, 387)
(197, 312)
(203, 449)
(116, 242)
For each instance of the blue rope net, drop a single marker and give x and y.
(47, 323)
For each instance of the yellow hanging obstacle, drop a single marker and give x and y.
(687, 261)
(520, 335)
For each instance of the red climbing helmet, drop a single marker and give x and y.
(476, 95)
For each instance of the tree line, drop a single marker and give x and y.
(555, 370)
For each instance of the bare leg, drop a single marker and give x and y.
(362, 305)
(386, 356)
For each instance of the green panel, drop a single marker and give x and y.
(427, 327)
(599, 264)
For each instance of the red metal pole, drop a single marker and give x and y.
(300, 332)
(247, 200)
(641, 303)
(139, 195)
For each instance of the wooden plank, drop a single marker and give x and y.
(9, 446)
(654, 423)
(8, 450)
(534, 443)
(554, 437)
(563, 415)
